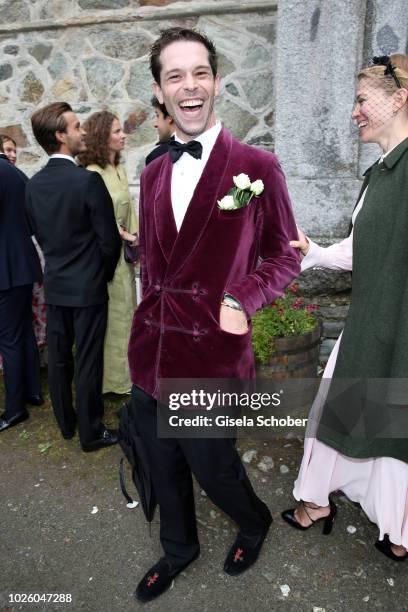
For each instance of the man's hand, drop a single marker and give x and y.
(302, 243)
(233, 321)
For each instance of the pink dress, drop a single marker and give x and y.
(380, 484)
(38, 306)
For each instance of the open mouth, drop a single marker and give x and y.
(362, 124)
(191, 106)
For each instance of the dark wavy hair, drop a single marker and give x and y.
(176, 34)
(162, 107)
(98, 128)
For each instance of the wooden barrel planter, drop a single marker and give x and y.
(293, 356)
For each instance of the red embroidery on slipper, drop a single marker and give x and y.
(238, 555)
(152, 579)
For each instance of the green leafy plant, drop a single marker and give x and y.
(287, 316)
(45, 447)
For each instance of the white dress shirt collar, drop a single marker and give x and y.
(62, 156)
(207, 139)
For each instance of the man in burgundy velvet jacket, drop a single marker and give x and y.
(205, 271)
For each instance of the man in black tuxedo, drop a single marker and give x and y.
(71, 215)
(19, 269)
(165, 127)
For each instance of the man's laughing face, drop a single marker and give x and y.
(188, 87)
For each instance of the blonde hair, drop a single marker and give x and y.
(387, 81)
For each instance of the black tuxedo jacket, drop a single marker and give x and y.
(161, 149)
(19, 263)
(71, 214)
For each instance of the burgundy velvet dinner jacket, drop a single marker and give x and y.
(244, 252)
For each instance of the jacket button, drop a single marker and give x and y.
(157, 288)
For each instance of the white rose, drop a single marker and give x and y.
(241, 181)
(227, 203)
(257, 187)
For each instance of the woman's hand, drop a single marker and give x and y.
(302, 243)
(132, 238)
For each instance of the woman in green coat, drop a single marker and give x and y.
(105, 140)
(360, 442)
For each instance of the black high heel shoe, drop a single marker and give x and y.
(289, 517)
(384, 546)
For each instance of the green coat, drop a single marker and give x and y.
(122, 288)
(366, 417)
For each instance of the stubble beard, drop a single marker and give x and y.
(195, 132)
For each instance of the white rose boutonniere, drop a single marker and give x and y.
(243, 192)
(227, 203)
(257, 187)
(241, 181)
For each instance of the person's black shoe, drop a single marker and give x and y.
(35, 400)
(158, 579)
(384, 546)
(14, 420)
(244, 552)
(328, 520)
(108, 437)
(68, 435)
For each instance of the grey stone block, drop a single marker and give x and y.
(140, 82)
(6, 71)
(235, 118)
(315, 89)
(12, 11)
(332, 329)
(323, 206)
(326, 282)
(41, 52)
(127, 45)
(102, 76)
(102, 4)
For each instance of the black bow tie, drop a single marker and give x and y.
(176, 149)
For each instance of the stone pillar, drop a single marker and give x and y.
(320, 46)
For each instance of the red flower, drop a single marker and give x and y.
(294, 287)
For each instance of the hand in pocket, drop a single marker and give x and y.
(233, 321)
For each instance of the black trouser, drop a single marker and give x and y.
(21, 362)
(86, 327)
(217, 467)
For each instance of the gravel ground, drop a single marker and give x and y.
(65, 529)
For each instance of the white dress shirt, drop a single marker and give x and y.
(187, 172)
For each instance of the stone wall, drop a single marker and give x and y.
(94, 54)
(288, 85)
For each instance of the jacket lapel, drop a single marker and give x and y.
(166, 229)
(202, 203)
